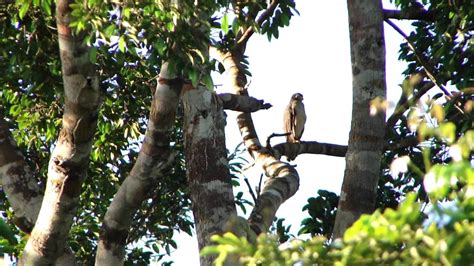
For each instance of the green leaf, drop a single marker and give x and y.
(109, 30)
(7, 233)
(285, 19)
(447, 131)
(46, 6)
(207, 80)
(170, 26)
(121, 44)
(225, 24)
(209, 250)
(93, 55)
(23, 9)
(193, 76)
(126, 12)
(235, 26)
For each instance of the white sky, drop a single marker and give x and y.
(312, 57)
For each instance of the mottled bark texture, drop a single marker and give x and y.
(153, 161)
(282, 179)
(207, 170)
(18, 182)
(366, 138)
(242, 103)
(70, 158)
(309, 147)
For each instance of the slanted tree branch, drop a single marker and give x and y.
(242, 103)
(242, 40)
(17, 180)
(283, 179)
(153, 161)
(21, 189)
(429, 69)
(69, 161)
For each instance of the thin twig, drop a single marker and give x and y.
(251, 190)
(428, 69)
(258, 189)
(275, 135)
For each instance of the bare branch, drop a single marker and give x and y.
(291, 150)
(411, 14)
(241, 103)
(423, 62)
(153, 161)
(259, 187)
(250, 190)
(21, 188)
(242, 41)
(269, 146)
(18, 182)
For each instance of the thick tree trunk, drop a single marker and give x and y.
(366, 139)
(70, 158)
(207, 170)
(154, 158)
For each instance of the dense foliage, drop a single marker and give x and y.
(31, 100)
(439, 234)
(131, 39)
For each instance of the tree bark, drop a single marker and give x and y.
(242, 103)
(293, 149)
(366, 138)
(69, 160)
(207, 169)
(17, 180)
(283, 179)
(153, 161)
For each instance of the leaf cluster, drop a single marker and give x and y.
(396, 237)
(31, 101)
(445, 45)
(322, 211)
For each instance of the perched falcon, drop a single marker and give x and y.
(294, 118)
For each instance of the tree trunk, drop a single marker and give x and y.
(366, 139)
(17, 180)
(207, 170)
(70, 158)
(283, 179)
(154, 158)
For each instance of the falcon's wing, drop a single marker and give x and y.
(288, 122)
(299, 120)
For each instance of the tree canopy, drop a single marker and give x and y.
(144, 56)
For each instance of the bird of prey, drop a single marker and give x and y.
(294, 118)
